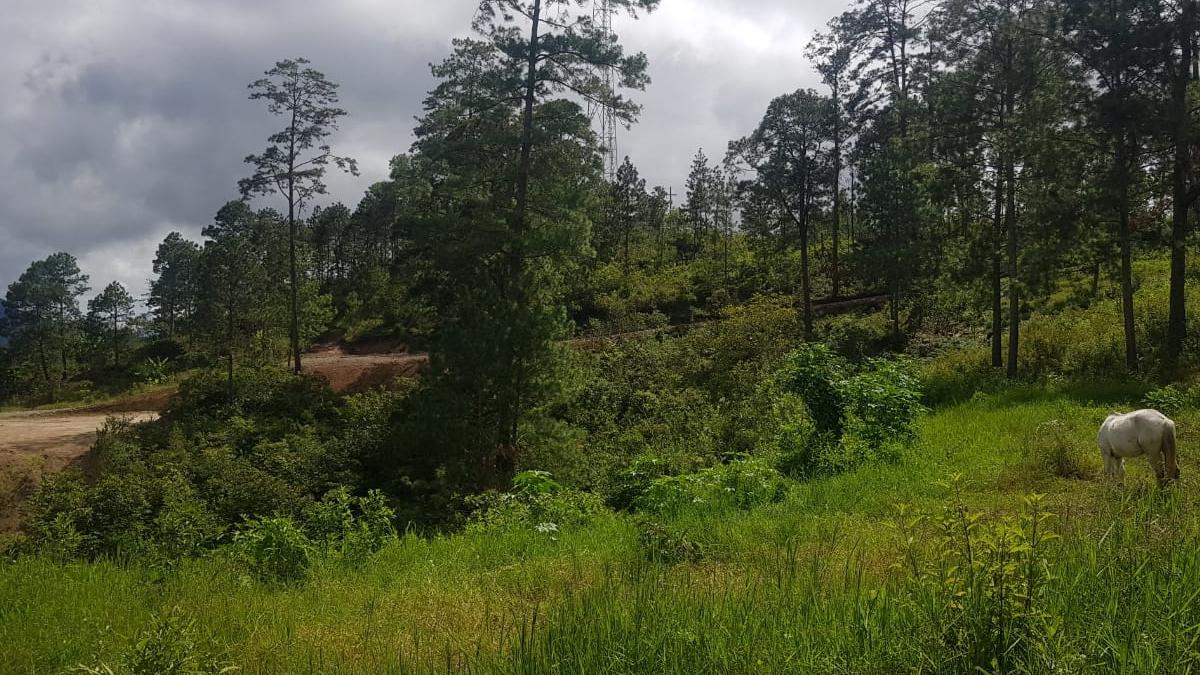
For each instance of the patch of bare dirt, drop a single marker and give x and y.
(351, 373)
(36, 444)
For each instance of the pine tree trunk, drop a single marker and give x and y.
(1181, 209)
(1124, 157)
(837, 194)
(805, 283)
(1014, 286)
(510, 412)
(294, 273)
(998, 276)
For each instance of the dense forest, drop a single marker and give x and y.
(984, 196)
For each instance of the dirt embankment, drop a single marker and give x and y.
(34, 445)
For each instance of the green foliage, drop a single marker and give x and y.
(275, 550)
(816, 374)
(1173, 399)
(741, 484)
(154, 370)
(632, 482)
(170, 645)
(536, 502)
(857, 336)
(882, 403)
(857, 417)
(662, 543)
(352, 527)
(984, 588)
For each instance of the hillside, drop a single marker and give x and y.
(818, 582)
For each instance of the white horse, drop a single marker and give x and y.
(1145, 432)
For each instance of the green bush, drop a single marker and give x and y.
(352, 527)
(537, 502)
(816, 374)
(883, 402)
(634, 480)
(743, 484)
(957, 375)
(856, 417)
(1173, 399)
(275, 550)
(185, 526)
(662, 543)
(857, 336)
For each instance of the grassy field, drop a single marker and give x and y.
(939, 563)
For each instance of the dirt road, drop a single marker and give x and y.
(36, 444)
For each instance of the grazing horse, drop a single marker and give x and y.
(1145, 432)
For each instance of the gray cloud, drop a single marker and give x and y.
(125, 120)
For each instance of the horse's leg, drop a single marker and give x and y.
(1112, 465)
(1158, 462)
(1108, 467)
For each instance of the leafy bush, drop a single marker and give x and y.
(664, 544)
(815, 373)
(274, 549)
(185, 526)
(634, 480)
(1173, 399)
(353, 527)
(154, 370)
(743, 484)
(956, 375)
(856, 417)
(857, 336)
(883, 402)
(536, 501)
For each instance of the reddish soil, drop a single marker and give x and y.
(36, 444)
(351, 373)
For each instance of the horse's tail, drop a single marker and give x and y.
(1169, 454)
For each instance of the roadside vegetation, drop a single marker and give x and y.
(832, 412)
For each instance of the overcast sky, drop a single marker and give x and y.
(122, 120)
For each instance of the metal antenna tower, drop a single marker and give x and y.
(602, 14)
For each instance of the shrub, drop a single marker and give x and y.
(275, 550)
(883, 402)
(1056, 446)
(634, 480)
(857, 336)
(1173, 399)
(185, 526)
(353, 527)
(743, 484)
(815, 373)
(856, 418)
(958, 374)
(664, 544)
(58, 511)
(536, 501)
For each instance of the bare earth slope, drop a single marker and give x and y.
(35, 444)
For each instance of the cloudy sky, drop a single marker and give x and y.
(122, 120)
